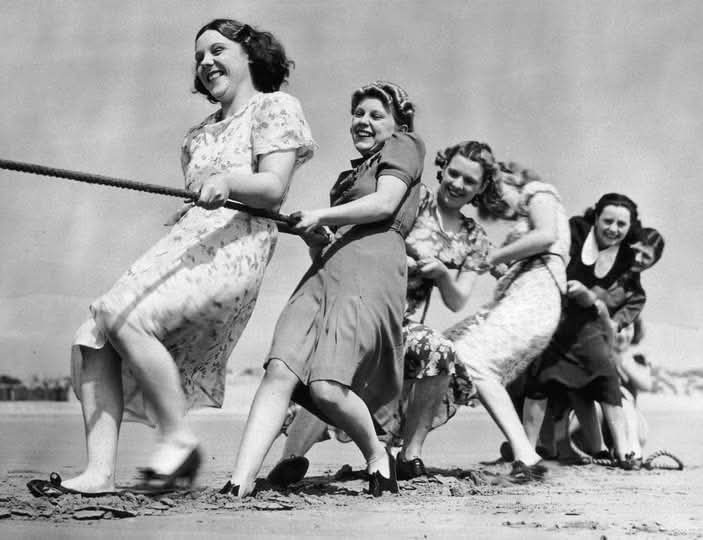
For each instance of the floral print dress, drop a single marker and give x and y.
(196, 288)
(503, 337)
(429, 353)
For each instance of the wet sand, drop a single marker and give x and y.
(466, 498)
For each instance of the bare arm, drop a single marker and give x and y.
(455, 288)
(543, 216)
(262, 189)
(639, 376)
(373, 207)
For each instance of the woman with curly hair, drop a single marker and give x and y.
(604, 296)
(445, 250)
(497, 344)
(338, 346)
(158, 341)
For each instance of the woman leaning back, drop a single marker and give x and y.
(158, 342)
(496, 345)
(447, 250)
(579, 364)
(338, 348)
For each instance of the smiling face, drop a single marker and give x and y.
(510, 189)
(644, 256)
(611, 226)
(461, 182)
(221, 65)
(371, 125)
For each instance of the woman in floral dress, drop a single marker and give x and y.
(497, 343)
(447, 250)
(158, 342)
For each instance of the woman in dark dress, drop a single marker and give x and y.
(578, 364)
(446, 250)
(338, 346)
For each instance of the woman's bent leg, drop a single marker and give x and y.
(533, 412)
(495, 398)
(266, 416)
(615, 417)
(303, 433)
(349, 412)
(160, 381)
(102, 405)
(424, 400)
(587, 414)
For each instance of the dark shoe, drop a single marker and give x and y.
(289, 471)
(53, 488)
(182, 477)
(379, 483)
(407, 470)
(521, 473)
(630, 463)
(545, 453)
(506, 452)
(233, 489)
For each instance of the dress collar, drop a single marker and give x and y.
(356, 162)
(603, 259)
(218, 117)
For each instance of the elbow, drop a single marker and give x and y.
(272, 198)
(385, 209)
(457, 304)
(548, 237)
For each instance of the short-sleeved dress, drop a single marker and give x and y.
(196, 288)
(503, 337)
(344, 321)
(428, 352)
(580, 355)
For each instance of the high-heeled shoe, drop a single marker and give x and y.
(182, 476)
(379, 483)
(407, 470)
(289, 471)
(233, 489)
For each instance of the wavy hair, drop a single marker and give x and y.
(653, 238)
(394, 97)
(617, 199)
(268, 64)
(481, 153)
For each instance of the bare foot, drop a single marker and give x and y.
(88, 482)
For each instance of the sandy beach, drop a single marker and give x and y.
(466, 498)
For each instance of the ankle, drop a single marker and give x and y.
(379, 462)
(246, 486)
(409, 455)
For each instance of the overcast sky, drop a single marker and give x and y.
(597, 96)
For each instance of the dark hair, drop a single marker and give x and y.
(481, 153)
(652, 238)
(617, 199)
(393, 97)
(268, 64)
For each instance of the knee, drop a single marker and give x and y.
(326, 394)
(277, 372)
(111, 323)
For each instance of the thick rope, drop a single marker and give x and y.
(611, 462)
(647, 463)
(284, 222)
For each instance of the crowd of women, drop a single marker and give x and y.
(352, 349)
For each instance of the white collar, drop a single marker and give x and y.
(603, 258)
